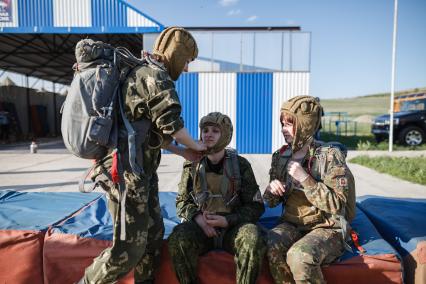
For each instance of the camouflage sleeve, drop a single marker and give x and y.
(185, 205)
(251, 204)
(165, 107)
(150, 93)
(331, 194)
(271, 199)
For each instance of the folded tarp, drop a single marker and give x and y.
(24, 219)
(401, 222)
(71, 246)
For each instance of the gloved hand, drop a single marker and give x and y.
(296, 171)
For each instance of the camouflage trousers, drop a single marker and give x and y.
(295, 256)
(188, 241)
(144, 234)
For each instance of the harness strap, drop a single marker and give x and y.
(84, 178)
(131, 139)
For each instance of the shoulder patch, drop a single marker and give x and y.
(342, 181)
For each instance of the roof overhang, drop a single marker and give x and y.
(51, 56)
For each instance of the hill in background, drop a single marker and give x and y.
(361, 110)
(371, 105)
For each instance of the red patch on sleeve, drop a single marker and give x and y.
(343, 181)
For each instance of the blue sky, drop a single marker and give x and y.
(351, 40)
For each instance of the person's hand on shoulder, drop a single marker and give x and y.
(192, 155)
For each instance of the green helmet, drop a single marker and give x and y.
(224, 123)
(307, 112)
(175, 46)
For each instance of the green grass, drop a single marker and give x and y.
(373, 105)
(410, 169)
(368, 105)
(365, 142)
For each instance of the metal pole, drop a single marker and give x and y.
(27, 86)
(212, 54)
(395, 25)
(55, 116)
(282, 51)
(254, 51)
(291, 51)
(241, 52)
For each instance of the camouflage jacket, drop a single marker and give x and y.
(250, 206)
(320, 205)
(149, 93)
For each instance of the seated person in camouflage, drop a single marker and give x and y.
(219, 202)
(317, 189)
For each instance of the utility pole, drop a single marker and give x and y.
(395, 25)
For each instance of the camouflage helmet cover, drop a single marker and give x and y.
(224, 123)
(307, 112)
(175, 46)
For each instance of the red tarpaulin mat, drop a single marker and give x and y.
(65, 257)
(21, 256)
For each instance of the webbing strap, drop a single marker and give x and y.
(84, 178)
(131, 140)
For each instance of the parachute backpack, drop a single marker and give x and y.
(93, 104)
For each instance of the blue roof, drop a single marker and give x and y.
(76, 16)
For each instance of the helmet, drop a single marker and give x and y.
(224, 123)
(175, 46)
(307, 112)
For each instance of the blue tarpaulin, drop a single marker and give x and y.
(38, 210)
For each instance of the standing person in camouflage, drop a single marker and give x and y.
(149, 96)
(317, 189)
(220, 202)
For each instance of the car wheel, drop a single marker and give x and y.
(412, 136)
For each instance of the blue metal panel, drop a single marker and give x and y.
(108, 13)
(35, 13)
(187, 88)
(254, 106)
(107, 16)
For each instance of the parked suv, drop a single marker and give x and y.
(409, 121)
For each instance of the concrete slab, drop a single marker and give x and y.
(54, 169)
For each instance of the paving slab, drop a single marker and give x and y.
(52, 168)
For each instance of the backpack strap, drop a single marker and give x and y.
(231, 194)
(131, 140)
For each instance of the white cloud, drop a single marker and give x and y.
(226, 3)
(234, 12)
(252, 18)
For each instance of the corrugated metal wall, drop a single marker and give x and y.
(134, 19)
(77, 16)
(254, 105)
(34, 12)
(187, 88)
(251, 100)
(285, 86)
(108, 13)
(76, 13)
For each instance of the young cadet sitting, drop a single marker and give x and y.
(317, 190)
(220, 202)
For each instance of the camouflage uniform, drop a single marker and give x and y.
(150, 95)
(314, 223)
(242, 238)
